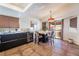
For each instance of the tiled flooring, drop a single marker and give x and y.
(59, 48)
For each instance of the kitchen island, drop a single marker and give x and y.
(10, 40)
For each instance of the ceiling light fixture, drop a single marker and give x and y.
(51, 18)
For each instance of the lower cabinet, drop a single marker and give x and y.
(13, 40)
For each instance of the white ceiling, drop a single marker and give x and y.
(33, 8)
(59, 10)
(21, 7)
(40, 10)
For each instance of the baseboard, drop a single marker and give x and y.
(77, 43)
(74, 42)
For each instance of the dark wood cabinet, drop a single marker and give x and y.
(11, 40)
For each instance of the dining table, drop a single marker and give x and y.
(43, 37)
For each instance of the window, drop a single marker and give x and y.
(43, 25)
(73, 22)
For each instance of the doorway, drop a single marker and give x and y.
(58, 29)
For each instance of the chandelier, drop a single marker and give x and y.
(51, 18)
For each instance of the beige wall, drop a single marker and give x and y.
(25, 23)
(71, 33)
(67, 12)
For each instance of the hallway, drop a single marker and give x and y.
(59, 48)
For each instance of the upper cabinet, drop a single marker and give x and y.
(9, 22)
